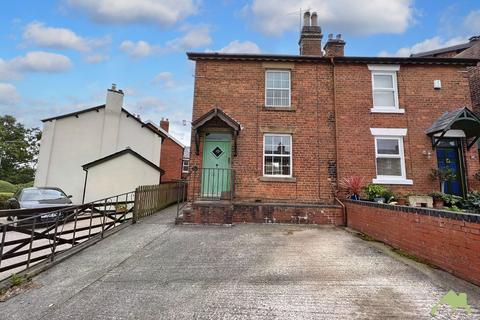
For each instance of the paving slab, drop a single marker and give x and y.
(156, 270)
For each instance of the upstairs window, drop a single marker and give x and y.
(277, 88)
(385, 89)
(185, 164)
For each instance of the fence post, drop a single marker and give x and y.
(136, 203)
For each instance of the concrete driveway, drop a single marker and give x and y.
(154, 270)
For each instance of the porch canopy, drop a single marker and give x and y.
(456, 121)
(216, 118)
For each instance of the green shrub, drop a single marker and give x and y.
(373, 191)
(6, 186)
(438, 195)
(4, 196)
(471, 201)
(452, 200)
(24, 185)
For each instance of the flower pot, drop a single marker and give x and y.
(379, 200)
(402, 201)
(355, 197)
(438, 203)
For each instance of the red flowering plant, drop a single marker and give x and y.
(352, 186)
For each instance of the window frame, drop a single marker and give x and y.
(391, 134)
(386, 70)
(289, 88)
(183, 165)
(272, 155)
(400, 156)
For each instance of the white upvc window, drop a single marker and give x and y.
(277, 88)
(385, 88)
(277, 155)
(185, 163)
(389, 156)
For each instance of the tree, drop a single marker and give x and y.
(19, 148)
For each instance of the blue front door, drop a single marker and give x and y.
(448, 158)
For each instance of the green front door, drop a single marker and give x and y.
(216, 173)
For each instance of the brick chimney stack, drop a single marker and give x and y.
(311, 36)
(335, 47)
(164, 124)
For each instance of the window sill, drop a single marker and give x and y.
(393, 181)
(386, 110)
(287, 109)
(278, 179)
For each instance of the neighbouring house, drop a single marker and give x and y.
(273, 134)
(171, 158)
(99, 152)
(471, 50)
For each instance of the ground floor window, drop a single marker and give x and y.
(277, 155)
(389, 156)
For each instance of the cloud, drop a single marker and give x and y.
(165, 78)
(35, 61)
(60, 38)
(472, 22)
(138, 49)
(425, 45)
(237, 46)
(274, 17)
(96, 58)
(8, 95)
(193, 37)
(146, 106)
(160, 12)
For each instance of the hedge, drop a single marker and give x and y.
(4, 196)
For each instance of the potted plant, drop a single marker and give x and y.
(438, 199)
(375, 192)
(352, 186)
(443, 175)
(401, 199)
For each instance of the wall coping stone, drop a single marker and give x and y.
(462, 216)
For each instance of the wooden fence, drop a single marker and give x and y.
(151, 199)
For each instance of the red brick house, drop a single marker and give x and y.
(272, 134)
(171, 157)
(471, 50)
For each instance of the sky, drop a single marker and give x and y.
(58, 56)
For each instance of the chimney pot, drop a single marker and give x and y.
(164, 124)
(311, 35)
(306, 19)
(114, 87)
(330, 36)
(314, 19)
(339, 36)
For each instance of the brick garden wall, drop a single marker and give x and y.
(448, 240)
(216, 213)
